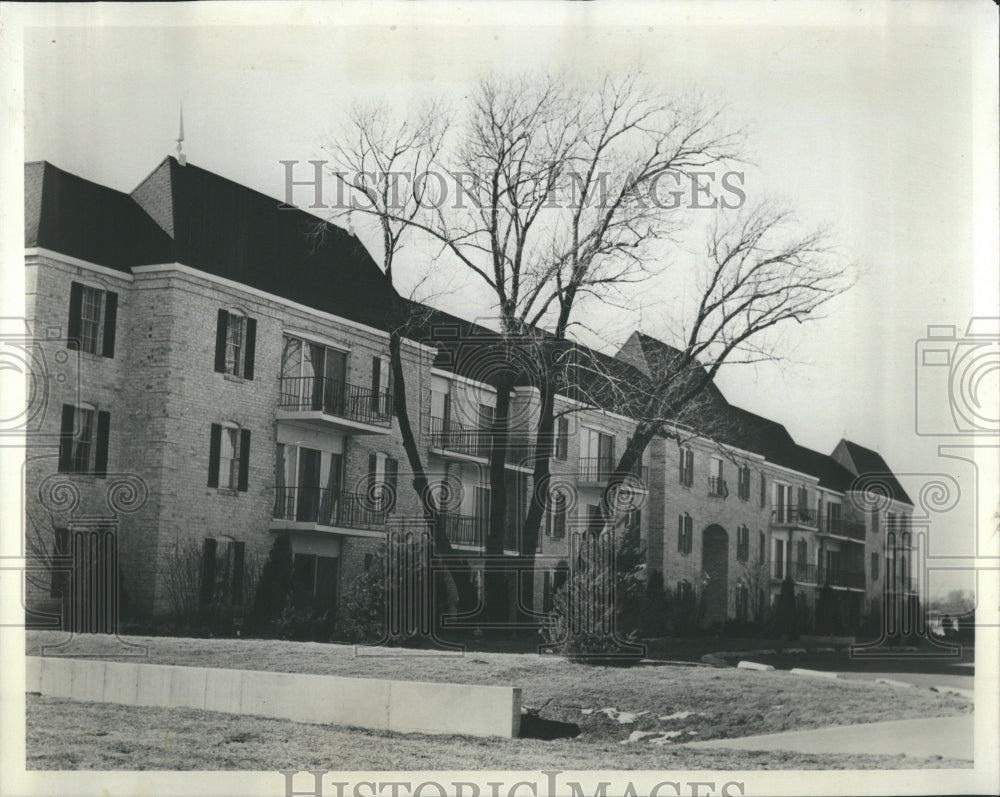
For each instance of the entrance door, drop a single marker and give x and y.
(715, 564)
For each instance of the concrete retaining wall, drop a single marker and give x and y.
(405, 706)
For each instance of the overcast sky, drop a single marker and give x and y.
(863, 125)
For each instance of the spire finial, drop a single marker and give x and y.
(181, 157)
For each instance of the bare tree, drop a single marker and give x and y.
(374, 157)
(563, 200)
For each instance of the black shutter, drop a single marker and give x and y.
(208, 570)
(75, 311)
(103, 432)
(680, 533)
(251, 348)
(372, 467)
(392, 479)
(221, 331)
(214, 449)
(239, 556)
(244, 479)
(110, 323)
(376, 373)
(66, 439)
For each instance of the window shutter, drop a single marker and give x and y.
(239, 556)
(208, 570)
(680, 533)
(75, 311)
(66, 439)
(214, 449)
(251, 348)
(220, 341)
(392, 479)
(372, 467)
(103, 433)
(763, 490)
(244, 476)
(110, 323)
(376, 368)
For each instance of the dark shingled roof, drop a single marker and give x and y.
(861, 461)
(76, 217)
(191, 216)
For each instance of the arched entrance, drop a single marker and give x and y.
(715, 566)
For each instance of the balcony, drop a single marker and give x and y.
(335, 404)
(717, 487)
(465, 529)
(802, 572)
(794, 515)
(845, 529)
(319, 506)
(850, 579)
(453, 440)
(597, 470)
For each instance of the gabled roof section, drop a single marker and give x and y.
(92, 222)
(861, 461)
(226, 229)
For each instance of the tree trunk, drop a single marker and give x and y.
(496, 574)
(443, 552)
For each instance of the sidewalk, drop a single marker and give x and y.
(949, 737)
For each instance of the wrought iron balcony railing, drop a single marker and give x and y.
(326, 507)
(717, 486)
(340, 399)
(795, 514)
(797, 571)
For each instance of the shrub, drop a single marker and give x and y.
(786, 614)
(362, 612)
(273, 588)
(595, 616)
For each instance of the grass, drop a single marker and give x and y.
(725, 703)
(65, 734)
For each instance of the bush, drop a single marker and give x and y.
(786, 614)
(596, 615)
(362, 612)
(274, 586)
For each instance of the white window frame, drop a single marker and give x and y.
(229, 443)
(92, 328)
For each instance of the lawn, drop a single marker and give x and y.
(713, 703)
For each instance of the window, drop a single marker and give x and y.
(83, 441)
(742, 543)
(801, 553)
(222, 571)
(92, 319)
(685, 533)
(833, 525)
(229, 457)
(874, 567)
(783, 503)
(369, 561)
(684, 591)
(742, 602)
(556, 527)
(716, 484)
(383, 475)
(761, 547)
(235, 344)
(562, 438)
(763, 490)
(686, 469)
(779, 559)
(381, 399)
(744, 482)
(597, 454)
(874, 520)
(315, 578)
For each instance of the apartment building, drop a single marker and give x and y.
(222, 362)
